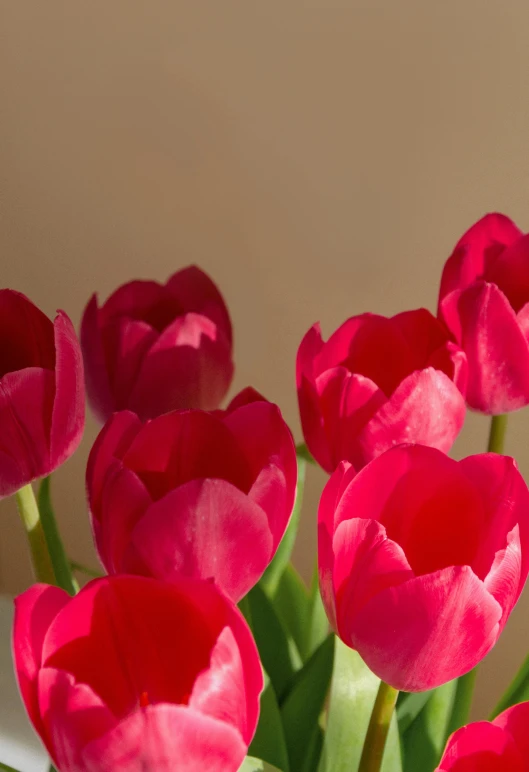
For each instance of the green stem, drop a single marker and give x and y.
(378, 728)
(29, 514)
(94, 573)
(303, 452)
(498, 427)
(8, 768)
(61, 565)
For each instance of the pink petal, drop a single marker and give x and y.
(515, 721)
(72, 714)
(308, 399)
(190, 365)
(428, 630)
(423, 333)
(26, 334)
(205, 528)
(26, 405)
(510, 272)
(496, 349)
(138, 300)
(126, 343)
(96, 376)
(165, 738)
(274, 496)
(427, 408)
(68, 416)
(476, 252)
(185, 445)
(481, 747)
(195, 291)
(35, 610)
(245, 397)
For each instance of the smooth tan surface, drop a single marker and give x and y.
(318, 159)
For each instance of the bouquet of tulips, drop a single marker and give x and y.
(198, 647)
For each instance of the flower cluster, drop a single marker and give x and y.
(194, 509)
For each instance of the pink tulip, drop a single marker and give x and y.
(155, 347)
(41, 392)
(498, 746)
(377, 383)
(194, 493)
(421, 560)
(138, 676)
(484, 301)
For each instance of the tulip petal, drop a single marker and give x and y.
(126, 343)
(510, 272)
(166, 738)
(95, 367)
(427, 409)
(195, 291)
(68, 416)
(188, 366)
(498, 354)
(309, 406)
(423, 334)
(205, 528)
(515, 721)
(26, 334)
(140, 299)
(476, 251)
(402, 632)
(26, 404)
(73, 715)
(481, 747)
(35, 610)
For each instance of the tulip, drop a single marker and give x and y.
(194, 493)
(155, 347)
(498, 746)
(421, 560)
(484, 301)
(136, 675)
(379, 382)
(41, 392)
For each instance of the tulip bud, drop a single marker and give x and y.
(41, 392)
(155, 347)
(484, 301)
(421, 560)
(133, 674)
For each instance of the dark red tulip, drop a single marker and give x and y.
(194, 493)
(484, 301)
(137, 675)
(421, 560)
(377, 383)
(151, 347)
(41, 391)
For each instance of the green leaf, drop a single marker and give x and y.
(317, 623)
(292, 604)
(251, 764)
(270, 579)
(61, 564)
(269, 741)
(424, 740)
(7, 768)
(276, 648)
(301, 708)
(409, 706)
(517, 691)
(353, 691)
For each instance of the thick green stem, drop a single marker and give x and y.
(29, 514)
(60, 562)
(378, 728)
(498, 427)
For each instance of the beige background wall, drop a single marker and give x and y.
(318, 159)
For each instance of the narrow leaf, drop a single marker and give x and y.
(272, 575)
(61, 565)
(268, 743)
(353, 691)
(317, 623)
(251, 764)
(301, 709)
(409, 706)
(424, 740)
(292, 604)
(517, 691)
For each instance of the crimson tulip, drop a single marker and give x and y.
(501, 745)
(421, 560)
(41, 391)
(151, 347)
(379, 382)
(484, 301)
(194, 493)
(137, 675)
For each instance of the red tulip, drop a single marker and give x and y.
(421, 560)
(155, 347)
(138, 676)
(484, 301)
(377, 383)
(194, 493)
(41, 392)
(498, 746)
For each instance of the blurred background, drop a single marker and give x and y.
(318, 159)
